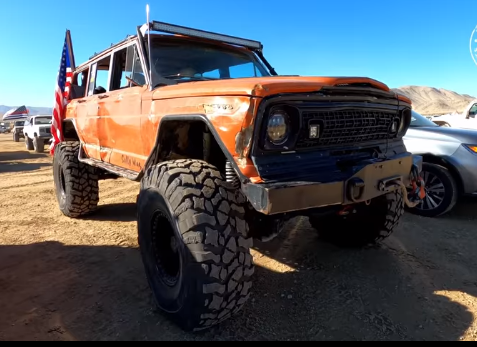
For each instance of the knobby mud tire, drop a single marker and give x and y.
(369, 226)
(76, 184)
(205, 217)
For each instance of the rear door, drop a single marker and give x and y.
(120, 111)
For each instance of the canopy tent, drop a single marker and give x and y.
(16, 113)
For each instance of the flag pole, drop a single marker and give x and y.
(70, 49)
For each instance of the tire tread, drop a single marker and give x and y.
(211, 221)
(81, 181)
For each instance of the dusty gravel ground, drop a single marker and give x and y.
(63, 279)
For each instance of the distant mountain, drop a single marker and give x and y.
(33, 109)
(433, 101)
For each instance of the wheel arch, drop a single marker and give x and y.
(186, 137)
(434, 159)
(69, 130)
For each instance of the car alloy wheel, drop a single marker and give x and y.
(435, 192)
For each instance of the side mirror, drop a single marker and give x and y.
(99, 90)
(129, 78)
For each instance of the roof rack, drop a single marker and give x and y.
(112, 45)
(181, 30)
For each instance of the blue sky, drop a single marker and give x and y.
(418, 42)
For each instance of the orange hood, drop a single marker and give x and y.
(259, 86)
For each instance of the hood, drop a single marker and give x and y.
(261, 86)
(443, 134)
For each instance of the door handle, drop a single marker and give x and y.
(81, 101)
(103, 96)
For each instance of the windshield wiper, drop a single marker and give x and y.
(194, 78)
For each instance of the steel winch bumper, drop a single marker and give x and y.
(368, 182)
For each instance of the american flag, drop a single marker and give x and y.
(62, 89)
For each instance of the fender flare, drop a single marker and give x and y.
(153, 157)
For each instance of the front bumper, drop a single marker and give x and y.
(368, 182)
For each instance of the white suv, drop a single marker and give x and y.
(37, 131)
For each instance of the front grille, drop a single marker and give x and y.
(344, 127)
(45, 130)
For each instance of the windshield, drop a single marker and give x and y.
(42, 120)
(419, 121)
(19, 123)
(177, 60)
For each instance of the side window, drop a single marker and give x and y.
(244, 70)
(118, 79)
(92, 79)
(99, 77)
(137, 69)
(102, 74)
(127, 64)
(210, 74)
(473, 111)
(79, 85)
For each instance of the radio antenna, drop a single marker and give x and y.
(149, 45)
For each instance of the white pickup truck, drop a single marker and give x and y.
(466, 119)
(37, 131)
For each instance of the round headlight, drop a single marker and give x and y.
(277, 130)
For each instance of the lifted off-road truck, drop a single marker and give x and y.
(18, 130)
(225, 151)
(37, 132)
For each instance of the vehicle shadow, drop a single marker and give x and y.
(121, 212)
(465, 209)
(20, 155)
(51, 291)
(21, 167)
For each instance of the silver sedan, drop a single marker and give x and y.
(450, 163)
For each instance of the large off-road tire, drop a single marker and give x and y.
(16, 137)
(365, 225)
(28, 143)
(441, 191)
(192, 236)
(76, 184)
(38, 145)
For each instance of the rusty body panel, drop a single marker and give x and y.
(260, 86)
(120, 127)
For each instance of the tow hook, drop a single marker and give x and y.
(417, 193)
(355, 189)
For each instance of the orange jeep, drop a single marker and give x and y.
(225, 151)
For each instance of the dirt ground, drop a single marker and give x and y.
(64, 279)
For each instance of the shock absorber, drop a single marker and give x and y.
(231, 176)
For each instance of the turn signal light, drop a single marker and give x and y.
(473, 148)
